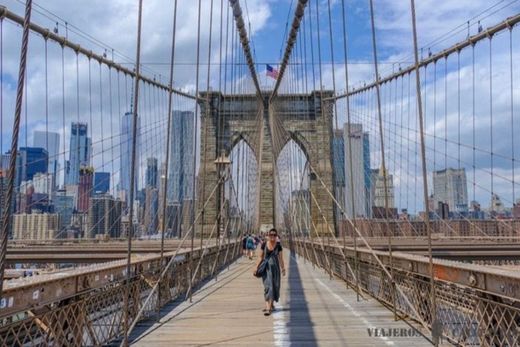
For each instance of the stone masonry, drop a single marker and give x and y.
(231, 118)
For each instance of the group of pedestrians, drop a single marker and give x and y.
(249, 244)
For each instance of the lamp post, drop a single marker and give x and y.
(222, 163)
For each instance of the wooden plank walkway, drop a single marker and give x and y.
(313, 311)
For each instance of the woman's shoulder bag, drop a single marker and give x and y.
(262, 267)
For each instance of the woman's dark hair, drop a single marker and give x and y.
(273, 230)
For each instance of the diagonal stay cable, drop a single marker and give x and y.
(241, 29)
(372, 252)
(170, 263)
(291, 40)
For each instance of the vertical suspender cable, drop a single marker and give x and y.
(319, 51)
(322, 108)
(111, 121)
(458, 111)
(473, 112)
(2, 93)
(305, 65)
(63, 113)
(77, 101)
(408, 140)
(208, 113)
(335, 115)
(90, 97)
(491, 111)
(381, 136)
(345, 53)
(220, 196)
(332, 62)
(101, 94)
(126, 306)
(435, 116)
(445, 124)
(435, 336)
(401, 138)
(119, 116)
(312, 50)
(168, 132)
(511, 81)
(195, 147)
(6, 218)
(46, 112)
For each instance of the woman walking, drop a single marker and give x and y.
(272, 251)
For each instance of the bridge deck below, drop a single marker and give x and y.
(313, 311)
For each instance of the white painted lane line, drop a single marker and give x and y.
(354, 312)
(280, 332)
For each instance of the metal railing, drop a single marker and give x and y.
(475, 305)
(43, 313)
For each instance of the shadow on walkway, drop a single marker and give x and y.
(300, 326)
(204, 289)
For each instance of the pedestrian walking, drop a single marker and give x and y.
(250, 245)
(271, 251)
(244, 245)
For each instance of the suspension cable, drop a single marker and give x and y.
(6, 218)
(381, 135)
(132, 175)
(195, 143)
(435, 332)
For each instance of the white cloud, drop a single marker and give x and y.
(113, 23)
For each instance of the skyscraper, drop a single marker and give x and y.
(86, 177)
(151, 215)
(450, 187)
(4, 165)
(380, 197)
(3, 188)
(42, 183)
(3, 194)
(50, 141)
(104, 216)
(35, 226)
(64, 207)
(126, 154)
(357, 183)
(180, 181)
(339, 158)
(79, 152)
(152, 172)
(339, 172)
(101, 182)
(24, 197)
(368, 173)
(33, 160)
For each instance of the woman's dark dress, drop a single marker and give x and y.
(271, 278)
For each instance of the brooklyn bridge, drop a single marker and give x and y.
(143, 144)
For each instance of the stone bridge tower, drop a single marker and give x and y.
(307, 119)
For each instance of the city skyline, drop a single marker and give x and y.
(361, 156)
(39, 192)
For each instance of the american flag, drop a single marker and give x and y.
(271, 71)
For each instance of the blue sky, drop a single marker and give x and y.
(112, 24)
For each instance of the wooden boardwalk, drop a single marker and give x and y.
(313, 311)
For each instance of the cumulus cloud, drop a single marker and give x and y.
(100, 96)
(114, 23)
